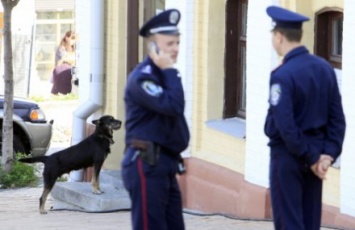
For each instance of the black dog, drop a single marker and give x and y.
(92, 151)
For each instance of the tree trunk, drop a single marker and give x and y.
(7, 127)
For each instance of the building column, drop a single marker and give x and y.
(347, 172)
(83, 54)
(185, 59)
(261, 59)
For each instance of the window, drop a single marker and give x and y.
(50, 28)
(235, 59)
(150, 8)
(329, 36)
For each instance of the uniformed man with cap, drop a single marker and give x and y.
(156, 129)
(305, 124)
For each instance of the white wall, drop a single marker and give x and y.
(261, 59)
(83, 62)
(259, 65)
(185, 60)
(23, 19)
(347, 172)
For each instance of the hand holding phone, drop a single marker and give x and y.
(153, 46)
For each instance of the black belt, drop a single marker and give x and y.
(150, 151)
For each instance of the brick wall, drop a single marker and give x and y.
(115, 69)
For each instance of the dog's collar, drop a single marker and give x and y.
(108, 138)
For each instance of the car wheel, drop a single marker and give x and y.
(17, 145)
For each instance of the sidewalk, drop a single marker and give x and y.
(19, 210)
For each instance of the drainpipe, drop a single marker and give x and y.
(95, 101)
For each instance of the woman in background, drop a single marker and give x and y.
(66, 46)
(62, 75)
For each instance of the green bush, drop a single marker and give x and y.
(21, 175)
(59, 97)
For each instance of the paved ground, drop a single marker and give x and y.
(19, 210)
(62, 114)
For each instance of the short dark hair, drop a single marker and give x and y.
(292, 35)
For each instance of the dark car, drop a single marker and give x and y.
(32, 132)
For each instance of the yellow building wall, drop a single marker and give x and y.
(331, 191)
(209, 44)
(1, 21)
(331, 188)
(115, 69)
(141, 41)
(310, 8)
(222, 149)
(209, 49)
(320, 4)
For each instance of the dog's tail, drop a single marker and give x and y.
(34, 159)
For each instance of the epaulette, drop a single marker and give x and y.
(277, 67)
(147, 69)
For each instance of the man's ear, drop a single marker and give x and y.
(279, 37)
(148, 42)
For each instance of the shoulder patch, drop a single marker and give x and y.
(151, 88)
(275, 94)
(147, 69)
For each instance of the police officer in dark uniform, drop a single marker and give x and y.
(305, 124)
(156, 129)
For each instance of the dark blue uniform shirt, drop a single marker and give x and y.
(154, 101)
(305, 112)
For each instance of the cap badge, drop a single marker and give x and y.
(173, 17)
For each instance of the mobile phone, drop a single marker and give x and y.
(153, 45)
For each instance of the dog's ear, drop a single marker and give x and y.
(96, 122)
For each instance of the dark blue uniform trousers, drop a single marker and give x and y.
(154, 192)
(296, 193)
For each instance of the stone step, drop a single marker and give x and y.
(111, 177)
(78, 196)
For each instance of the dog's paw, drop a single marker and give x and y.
(43, 212)
(97, 192)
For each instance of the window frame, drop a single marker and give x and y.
(234, 84)
(324, 35)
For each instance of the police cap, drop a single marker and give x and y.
(284, 18)
(162, 23)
